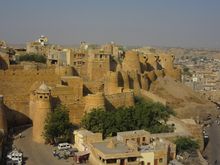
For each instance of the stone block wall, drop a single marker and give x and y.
(148, 95)
(119, 100)
(15, 85)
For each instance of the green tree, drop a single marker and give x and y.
(144, 115)
(185, 144)
(57, 125)
(152, 117)
(94, 120)
(33, 57)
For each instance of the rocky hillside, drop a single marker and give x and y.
(182, 99)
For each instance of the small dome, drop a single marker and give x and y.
(43, 89)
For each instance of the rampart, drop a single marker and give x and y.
(92, 74)
(15, 85)
(119, 100)
(3, 123)
(148, 95)
(94, 101)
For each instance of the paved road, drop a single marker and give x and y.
(38, 154)
(212, 150)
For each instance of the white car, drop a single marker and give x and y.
(64, 146)
(15, 156)
(206, 136)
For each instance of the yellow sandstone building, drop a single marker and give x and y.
(81, 79)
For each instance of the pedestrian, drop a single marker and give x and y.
(20, 135)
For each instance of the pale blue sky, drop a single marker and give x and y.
(185, 23)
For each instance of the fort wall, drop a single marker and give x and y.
(94, 101)
(93, 87)
(124, 80)
(134, 81)
(131, 62)
(111, 83)
(15, 85)
(119, 100)
(151, 75)
(166, 61)
(174, 73)
(159, 73)
(98, 65)
(145, 83)
(95, 76)
(64, 71)
(4, 60)
(148, 95)
(76, 112)
(3, 122)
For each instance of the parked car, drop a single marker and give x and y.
(15, 157)
(206, 136)
(64, 146)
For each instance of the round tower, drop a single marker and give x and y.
(151, 75)
(3, 121)
(152, 62)
(93, 101)
(159, 73)
(131, 62)
(134, 81)
(41, 108)
(145, 84)
(125, 80)
(111, 83)
(166, 61)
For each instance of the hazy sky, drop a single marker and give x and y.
(185, 23)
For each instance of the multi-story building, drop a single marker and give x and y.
(130, 148)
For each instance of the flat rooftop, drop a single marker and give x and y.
(153, 147)
(118, 147)
(131, 133)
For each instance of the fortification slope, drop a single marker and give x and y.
(182, 99)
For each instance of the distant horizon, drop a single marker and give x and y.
(146, 45)
(173, 23)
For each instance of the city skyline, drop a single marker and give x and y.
(172, 23)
